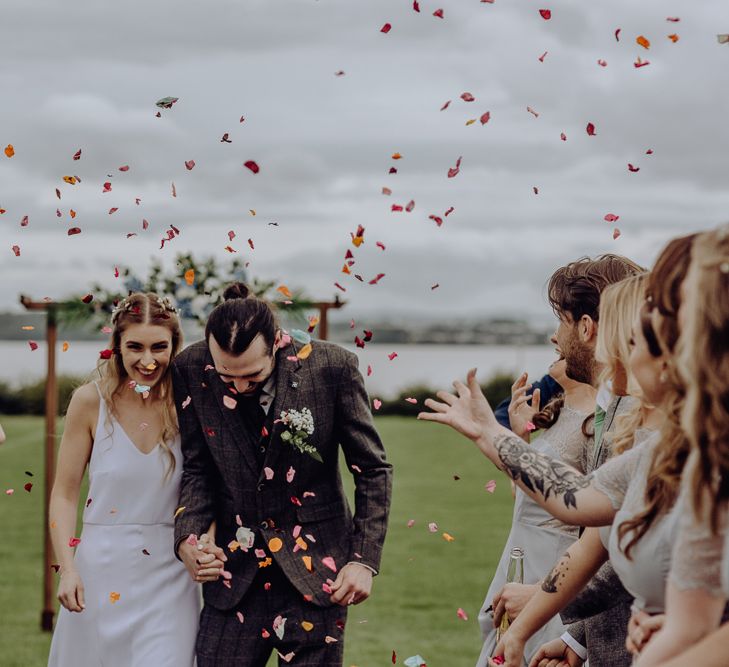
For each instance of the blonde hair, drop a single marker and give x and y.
(619, 304)
(704, 366)
(141, 308)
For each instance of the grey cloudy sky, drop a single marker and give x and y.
(86, 75)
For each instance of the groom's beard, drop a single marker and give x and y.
(580, 364)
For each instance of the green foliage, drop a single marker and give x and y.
(194, 301)
(496, 389)
(30, 399)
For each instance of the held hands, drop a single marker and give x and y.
(71, 591)
(469, 412)
(204, 561)
(521, 410)
(511, 599)
(352, 585)
(555, 654)
(641, 628)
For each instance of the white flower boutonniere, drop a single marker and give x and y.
(299, 426)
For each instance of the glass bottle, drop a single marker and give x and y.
(514, 575)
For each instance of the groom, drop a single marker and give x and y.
(262, 420)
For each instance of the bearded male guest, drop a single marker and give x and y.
(263, 420)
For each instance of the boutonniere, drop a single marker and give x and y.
(299, 426)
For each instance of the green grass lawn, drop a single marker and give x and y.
(423, 581)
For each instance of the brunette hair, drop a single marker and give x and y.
(549, 414)
(575, 289)
(664, 294)
(143, 308)
(236, 322)
(704, 367)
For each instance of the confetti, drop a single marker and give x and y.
(602, 63)
(328, 561)
(189, 164)
(290, 473)
(616, 234)
(178, 511)
(77, 155)
(124, 167)
(485, 117)
(166, 102)
(633, 168)
(674, 38)
(611, 217)
(454, 170)
(543, 56)
(240, 617)
(546, 14)
(33, 345)
(462, 614)
(532, 112)
(16, 250)
(229, 402)
(9, 150)
(24, 221)
(642, 41)
(446, 105)
(491, 486)
(448, 537)
(723, 39)
(590, 130)
(250, 164)
(386, 28)
(73, 542)
(467, 97)
(641, 63)
(617, 34)
(392, 355)
(438, 13)
(114, 597)
(433, 527)
(275, 545)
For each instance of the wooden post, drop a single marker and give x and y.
(49, 308)
(324, 307)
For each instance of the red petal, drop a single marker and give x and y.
(617, 35)
(543, 56)
(591, 129)
(467, 97)
(386, 28)
(396, 208)
(546, 14)
(189, 164)
(438, 221)
(124, 168)
(632, 168)
(252, 166)
(77, 155)
(611, 217)
(485, 118)
(449, 211)
(74, 230)
(438, 13)
(16, 250)
(446, 105)
(107, 187)
(410, 206)
(416, 6)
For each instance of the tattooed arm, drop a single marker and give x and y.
(563, 491)
(568, 576)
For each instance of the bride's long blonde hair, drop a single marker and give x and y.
(141, 308)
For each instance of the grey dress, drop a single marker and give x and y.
(623, 480)
(542, 537)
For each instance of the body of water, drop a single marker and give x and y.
(433, 365)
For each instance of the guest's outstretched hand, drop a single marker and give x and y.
(467, 411)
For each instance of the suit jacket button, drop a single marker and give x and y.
(261, 449)
(260, 486)
(264, 524)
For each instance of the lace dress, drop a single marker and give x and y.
(623, 481)
(542, 537)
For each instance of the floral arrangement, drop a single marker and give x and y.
(299, 426)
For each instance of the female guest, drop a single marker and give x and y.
(615, 491)
(126, 601)
(542, 537)
(699, 581)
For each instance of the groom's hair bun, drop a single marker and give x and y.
(239, 319)
(236, 291)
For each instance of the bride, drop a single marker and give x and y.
(126, 600)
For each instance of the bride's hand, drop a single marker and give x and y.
(468, 412)
(71, 591)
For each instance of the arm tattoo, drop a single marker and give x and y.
(539, 472)
(559, 571)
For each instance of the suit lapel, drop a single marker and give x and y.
(235, 428)
(288, 382)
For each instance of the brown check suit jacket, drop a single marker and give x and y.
(223, 479)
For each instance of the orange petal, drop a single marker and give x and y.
(65, 346)
(307, 626)
(9, 150)
(643, 42)
(305, 351)
(275, 544)
(285, 291)
(190, 276)
(396, 156)
(307, 562)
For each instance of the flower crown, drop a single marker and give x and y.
(125, 305)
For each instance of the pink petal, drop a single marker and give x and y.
(485, 118)
(229, 402)
(189, 164)
(491, 486)
(462, 614)
(467, 97)
(268, 472)
(611, 217)
(328, 561)
(433, 527)
(377, 403)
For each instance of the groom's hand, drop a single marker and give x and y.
(204, 560)
(352, 585)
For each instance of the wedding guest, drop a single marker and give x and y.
(2, 435)
(542, 538)
(541, 472)
(699, 580)
(619, 304)
(546, 388)
(595, 628)
(125, 600)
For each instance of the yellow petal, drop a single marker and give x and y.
(179, 511)
(307, 562)
(307, 626)
(305, 351)
(470, 122)
(448, 538)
